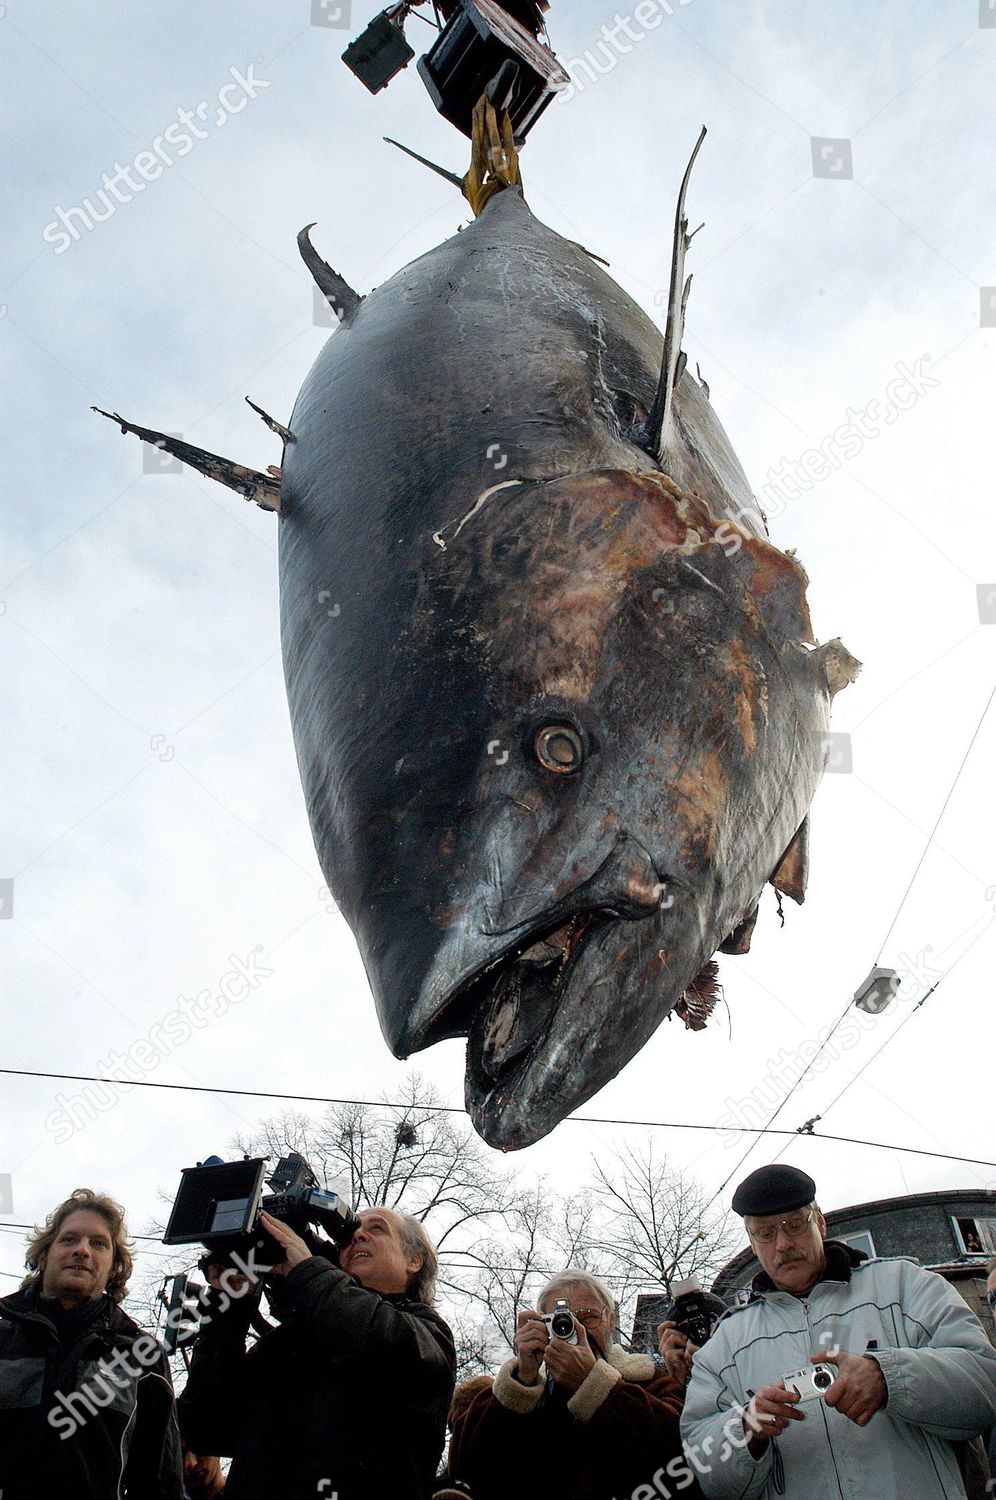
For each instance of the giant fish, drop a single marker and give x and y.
(558, 709)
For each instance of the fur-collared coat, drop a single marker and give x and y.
(617, 1432)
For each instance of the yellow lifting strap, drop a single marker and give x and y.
(494, 159)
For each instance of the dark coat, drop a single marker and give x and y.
(352, 1391)
(611, 1436)
(126, 1443)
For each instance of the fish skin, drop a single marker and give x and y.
(468, 485)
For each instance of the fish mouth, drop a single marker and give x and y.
(529, 1051)
(515, 999)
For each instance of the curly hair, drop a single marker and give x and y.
(83, 1200)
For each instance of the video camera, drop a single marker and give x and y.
(694, 1311)
(219, 1202)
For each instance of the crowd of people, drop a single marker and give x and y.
(841, 1376)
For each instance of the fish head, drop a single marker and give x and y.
(634, 725)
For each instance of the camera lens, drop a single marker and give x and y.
(562, 1325)
(822, 1379)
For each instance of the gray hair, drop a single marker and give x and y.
(595, 1288)
(415, 1241)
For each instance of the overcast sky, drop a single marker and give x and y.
(154, 828)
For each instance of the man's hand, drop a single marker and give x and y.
(229, 1282)
(294, 1248)
(769, 1413)
(859, 1390)
(531, 1339)
(676, 1351)
(570, 1364)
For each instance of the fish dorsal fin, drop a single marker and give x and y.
(433, 167)
(673, 363)
(337, 292)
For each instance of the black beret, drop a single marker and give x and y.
(776, 1189)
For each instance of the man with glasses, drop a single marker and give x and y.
(912, 1372)
(571, 1420)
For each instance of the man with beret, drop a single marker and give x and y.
(913, 1374)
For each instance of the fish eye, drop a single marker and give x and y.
(559, 748)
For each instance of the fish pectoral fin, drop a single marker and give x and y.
(336, 290)
(673, 363)
(263, 489)
(739, 939)
(838, 664)
(792, 871)
(282, 432)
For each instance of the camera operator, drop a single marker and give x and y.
(349, 1395)
(569, 1419)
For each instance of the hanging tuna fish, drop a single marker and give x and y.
(571, 715)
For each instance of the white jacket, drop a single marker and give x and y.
(939, 1367)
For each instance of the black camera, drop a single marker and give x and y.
(219, 1202)
(694, 1311)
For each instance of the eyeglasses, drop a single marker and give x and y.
(794, 1226)
(589, 1315)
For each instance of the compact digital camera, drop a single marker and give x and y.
(560, 1322)
(810, 1384)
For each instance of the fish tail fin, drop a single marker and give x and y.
(263, 489)
(337, 292)
(673, 363)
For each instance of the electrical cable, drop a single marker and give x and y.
(451, 1109)
(905, 1022)
(937, 823)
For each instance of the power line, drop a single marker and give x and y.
(451, 1109)
(905, 1022)
(937, 824)
(766, 1128)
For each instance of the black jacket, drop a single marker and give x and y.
(126, 1443)
(348, 1396)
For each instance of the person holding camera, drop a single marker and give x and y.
(571, 1416)
(842, 1376)
(348, 1396)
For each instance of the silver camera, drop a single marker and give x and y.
(810, 1384)
(560, 1322)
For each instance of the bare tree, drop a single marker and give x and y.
(639, 1225)
(408, 1154)
(655, 1222)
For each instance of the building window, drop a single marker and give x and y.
(975, 1236)
(860, 1240)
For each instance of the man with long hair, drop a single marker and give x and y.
(86, 1400)
(348, 1396)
